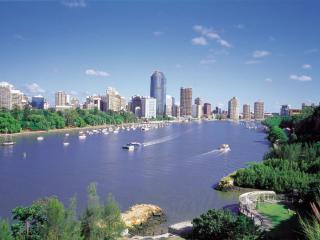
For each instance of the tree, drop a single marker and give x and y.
(5, 233)
(8, 123)
(55, 213)
(113, 225)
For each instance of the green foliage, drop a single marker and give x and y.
(38, 119)
(8, 123)
(5, 233)
(101, 221)
(222, 224)
(311, 229)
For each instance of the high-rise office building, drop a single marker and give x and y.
(185, 102)
(207, 110)
(149, 107)
(198, 101)
(170, 102)
(233, 109)
(135, 103)
(60, 98)
(158, 91)
(75, 103)
(10, 97)
(284, 111)
(196, 111)
(112, 100)
(259, 110)
(176, 111)
(37, 102)
(92, 102)
(246, 112)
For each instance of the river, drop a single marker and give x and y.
(176, 169)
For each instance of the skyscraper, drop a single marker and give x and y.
(246, 112)
(112, 100)
(233, 109)
(135, 103)
(185, 102)
(284, 111)
(207, 110)
(259, 110)
(158, 91)
(60, 98)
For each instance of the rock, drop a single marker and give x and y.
(140, 214)
(181, 229)
(226, 183)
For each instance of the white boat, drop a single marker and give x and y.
(40, 138)
(8, 141)
(145, 129)
(224, 147)
(66, 144)
(116, 131)
(128, 147)
(67, 134)
(105, 133)
(82, 136)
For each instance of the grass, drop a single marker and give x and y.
(276, 212)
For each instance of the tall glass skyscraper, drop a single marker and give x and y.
(158, 91)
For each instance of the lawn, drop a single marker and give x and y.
(276, 212)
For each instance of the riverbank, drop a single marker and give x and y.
(74, 129)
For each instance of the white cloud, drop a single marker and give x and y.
(312, 50)
(260, 53)
(208, 60)
(74, 3)
(34, 88)
(271, 38)
(269, 80)
(239, 26)
(157, 33)
(249, 62)
(301, 78)
(306, 66)
(199, 41)
(210, 34)
(18, 37)
(92, 72)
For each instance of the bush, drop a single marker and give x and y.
(222, 224)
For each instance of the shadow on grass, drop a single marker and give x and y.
(289, 229)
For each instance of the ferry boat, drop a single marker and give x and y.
(224, 147)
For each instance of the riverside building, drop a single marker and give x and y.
(158, 91)
(233, 109)
(246, 112)
(259, 110)
(149, 107)
(185, 102)
(10, 97)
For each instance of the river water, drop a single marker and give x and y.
(176, 169)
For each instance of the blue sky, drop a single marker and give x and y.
(267, 50)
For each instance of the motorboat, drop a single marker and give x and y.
(135, 144)
(40, 138)
(82, 136)
(145, 129)
(66, 143)
(128, 147)
(67, 134)
(224, 147)
(116, 131)
(8, 141)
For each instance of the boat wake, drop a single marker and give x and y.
(160, 140)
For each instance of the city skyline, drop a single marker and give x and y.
(244, 55)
